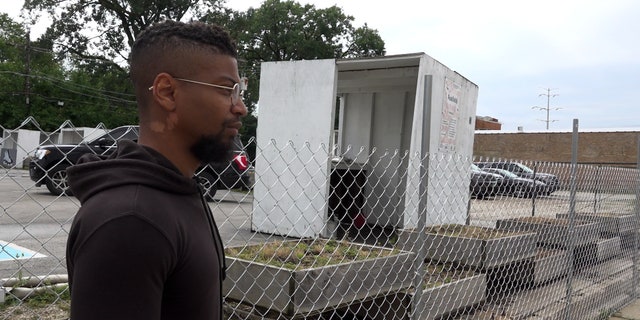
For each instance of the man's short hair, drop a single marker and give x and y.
(164, 47)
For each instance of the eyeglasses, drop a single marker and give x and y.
(235, 92)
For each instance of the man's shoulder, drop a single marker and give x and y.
(157, 207)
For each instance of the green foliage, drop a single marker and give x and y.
(12, 84)
(118, 22)
(86, 93)
(287, 30)
(366, 42)
(84, 78)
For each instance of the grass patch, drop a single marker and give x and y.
(50, 303)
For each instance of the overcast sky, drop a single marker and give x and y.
(585, 51)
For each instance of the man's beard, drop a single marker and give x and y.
(212, 148)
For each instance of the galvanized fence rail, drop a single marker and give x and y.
(393, 235)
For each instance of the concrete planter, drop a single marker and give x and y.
(601, 250)
(608, 248)
(628, 242)
(462, 290)
(553, 232)
(451, 297)
(492, 249)
(305, 291)
(550, 265)
(611, 225)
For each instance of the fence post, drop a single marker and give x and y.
(535, 190)
(572, 209)
(420, 248)
(596, 194)
(637, 223)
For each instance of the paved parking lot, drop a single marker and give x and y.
(33, 218)
(485, 212)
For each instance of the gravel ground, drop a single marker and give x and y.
(24, 312)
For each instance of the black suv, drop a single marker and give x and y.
(49, 164)
(552, 182)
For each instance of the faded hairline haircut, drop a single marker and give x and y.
(161, 48)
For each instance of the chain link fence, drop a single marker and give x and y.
(393, 235)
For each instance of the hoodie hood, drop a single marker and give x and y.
(131, 163)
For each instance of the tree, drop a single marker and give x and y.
(286, 30)
(95, 36)
(106, 29)
(25, 67)
(35, 83)
(12, 40)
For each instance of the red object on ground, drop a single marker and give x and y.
(359, 220)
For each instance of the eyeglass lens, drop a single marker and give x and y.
(235, 93)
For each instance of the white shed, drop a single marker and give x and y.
(359, 111)
(17, 145)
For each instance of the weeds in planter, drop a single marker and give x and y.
(304, 254)
(550, 221)
(466, 231)
(605, 314)
(440, 274)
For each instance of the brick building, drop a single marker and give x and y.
(613, 146)
(487, 123)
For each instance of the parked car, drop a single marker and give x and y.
(483, 184)
(517, 186)
(550, 180)
(49, 164)
(235, 174)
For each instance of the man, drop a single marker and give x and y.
(144, 244)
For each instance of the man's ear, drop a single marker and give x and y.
(164, 91)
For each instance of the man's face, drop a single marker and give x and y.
(210, 118)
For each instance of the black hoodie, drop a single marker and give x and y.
(143, 244)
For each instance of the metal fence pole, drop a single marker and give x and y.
(596, 194)
(572, 209)
(637, 223)
(535, 191)
(420, 249)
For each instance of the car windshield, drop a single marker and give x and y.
(125, 132)
(524, 168)
(507, 174)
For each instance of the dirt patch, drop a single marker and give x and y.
(55, 311)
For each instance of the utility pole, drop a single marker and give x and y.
(549, 95)
(27, 77)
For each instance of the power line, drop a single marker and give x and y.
(549, 95)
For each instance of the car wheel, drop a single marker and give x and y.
(57, 181)
(208, 182)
